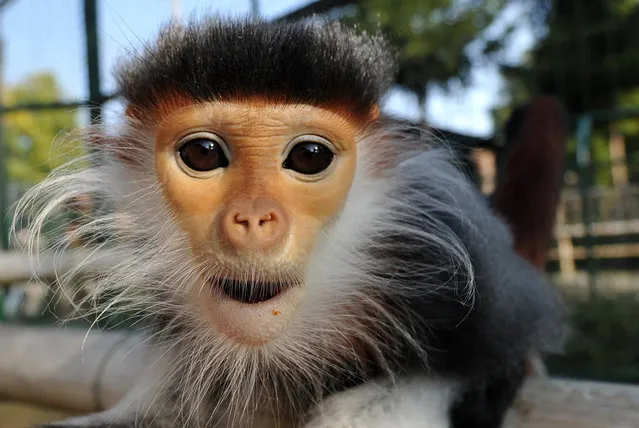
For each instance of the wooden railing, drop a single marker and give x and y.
(612, 213)
(16, 266)
(606, 204)
(82, 372)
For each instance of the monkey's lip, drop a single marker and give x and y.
(252, 318)
(250, 292)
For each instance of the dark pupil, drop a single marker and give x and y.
(309, 158)
(203, 155)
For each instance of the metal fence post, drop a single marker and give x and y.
(96, 98)
(4, 183)
(586, 172)
(4, 177)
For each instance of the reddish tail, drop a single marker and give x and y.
(529, 185)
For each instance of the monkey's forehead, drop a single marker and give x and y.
(312, 62)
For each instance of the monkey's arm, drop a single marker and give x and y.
(381, 404)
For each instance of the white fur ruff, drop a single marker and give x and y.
(157, 272)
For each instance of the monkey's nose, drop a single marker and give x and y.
(254, 224)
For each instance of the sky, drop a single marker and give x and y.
(49, 35)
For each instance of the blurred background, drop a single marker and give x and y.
(465, 65)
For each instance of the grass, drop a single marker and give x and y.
(604, 342)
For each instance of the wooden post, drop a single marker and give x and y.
(68, 369)
(617, 147)
(565, 248)
(487, 167)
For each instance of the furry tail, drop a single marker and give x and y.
(529, 182)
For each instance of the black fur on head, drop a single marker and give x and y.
(311, 62)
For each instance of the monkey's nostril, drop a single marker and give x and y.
(240, 219)
(248, 220)
(266, 218)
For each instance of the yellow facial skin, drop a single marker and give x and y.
(217, 208)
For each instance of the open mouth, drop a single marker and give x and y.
(250, 292)
(251, 312)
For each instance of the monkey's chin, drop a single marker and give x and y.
(253, 323)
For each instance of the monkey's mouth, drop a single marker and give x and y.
(248, 291)
(252, 312)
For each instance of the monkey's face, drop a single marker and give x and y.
(254, 185)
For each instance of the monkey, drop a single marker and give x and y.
(298, 258)
(528, 194)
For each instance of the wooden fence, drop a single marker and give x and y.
(598, 224)
(84, 372)
(81, 372)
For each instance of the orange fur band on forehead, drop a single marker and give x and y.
(165, 103)
(172, 101)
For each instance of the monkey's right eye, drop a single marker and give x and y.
(203, 154)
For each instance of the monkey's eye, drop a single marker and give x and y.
(203, 154)
(309, 157)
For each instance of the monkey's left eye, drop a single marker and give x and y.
(309, 157)
(203, 154)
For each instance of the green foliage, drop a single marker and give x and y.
(588, 55)
(605, 339)
(433, 36)
(630, 98)
(31, 137)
